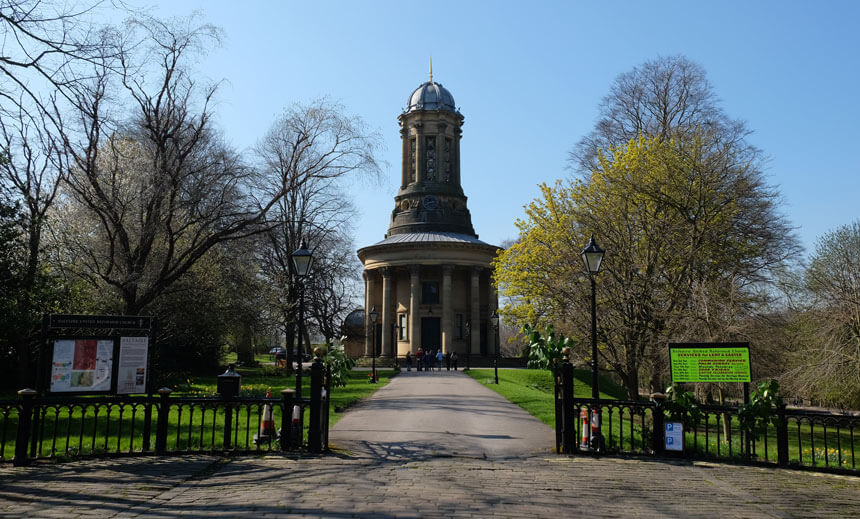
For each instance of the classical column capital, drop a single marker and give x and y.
(414, 270)
(386, 272)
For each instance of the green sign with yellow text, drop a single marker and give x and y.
(710, 362)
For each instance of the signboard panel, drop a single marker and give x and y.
(674, 436)
(135, 322)
(131, 372)
(82, 365)
(710, 362)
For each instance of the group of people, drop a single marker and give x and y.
(430, 359)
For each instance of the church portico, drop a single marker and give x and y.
(430, 279)
(455, 299)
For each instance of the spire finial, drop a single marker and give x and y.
(431, 69)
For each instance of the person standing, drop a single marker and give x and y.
(419, 358)
(454, 360)
(408, 361)
(439, 357)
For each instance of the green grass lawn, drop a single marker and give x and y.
(533, 389)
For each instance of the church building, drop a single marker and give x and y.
(430, 278)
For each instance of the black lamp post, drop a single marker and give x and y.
(468, 345)
(592, 256)
(302, 261)
(373, 316)
(494, 318)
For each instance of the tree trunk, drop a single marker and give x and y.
(631, 383)
(244, 349)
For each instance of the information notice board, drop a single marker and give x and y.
(82, 365)
(710, 362)
(113, 358)
(131, 371)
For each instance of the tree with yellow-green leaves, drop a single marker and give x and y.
(683, 222)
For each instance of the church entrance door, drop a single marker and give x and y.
(431, 333)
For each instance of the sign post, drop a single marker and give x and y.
(710, 362)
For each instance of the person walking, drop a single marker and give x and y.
(454, 360)
(439, 357)
(448, 361)
(408, 361)
(419, 358)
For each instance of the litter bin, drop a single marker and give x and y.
(229, 383)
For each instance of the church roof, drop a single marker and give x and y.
(431, 96)
(430, 237)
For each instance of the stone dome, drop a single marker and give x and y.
(431, 96)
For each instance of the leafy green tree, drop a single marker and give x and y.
(672, 216)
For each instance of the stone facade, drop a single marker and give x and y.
(430, 279)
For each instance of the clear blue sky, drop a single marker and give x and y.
(528, 77)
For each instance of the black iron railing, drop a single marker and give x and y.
(799, 438)
(35, 427)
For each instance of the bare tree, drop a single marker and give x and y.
(826, 349)
(308, 154)
(46, 48)
(159, 185)
(667, 97)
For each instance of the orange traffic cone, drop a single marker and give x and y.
(267, 425)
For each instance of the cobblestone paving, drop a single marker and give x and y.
(342, 485)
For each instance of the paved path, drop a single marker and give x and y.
(376, 478)
(440, 413)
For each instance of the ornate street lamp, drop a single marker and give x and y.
(592, 256)
(373, 316)
(303, 259)
(494, 318)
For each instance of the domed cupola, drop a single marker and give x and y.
(431, 96)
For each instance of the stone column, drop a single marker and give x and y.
(385, 311)
(414, 332)
(455, 155)
(369, 288)
(447, 309)
(475, 306)
(404, 160)
(419, 153)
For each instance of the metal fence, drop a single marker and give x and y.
(799, 438)
(35, 427)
